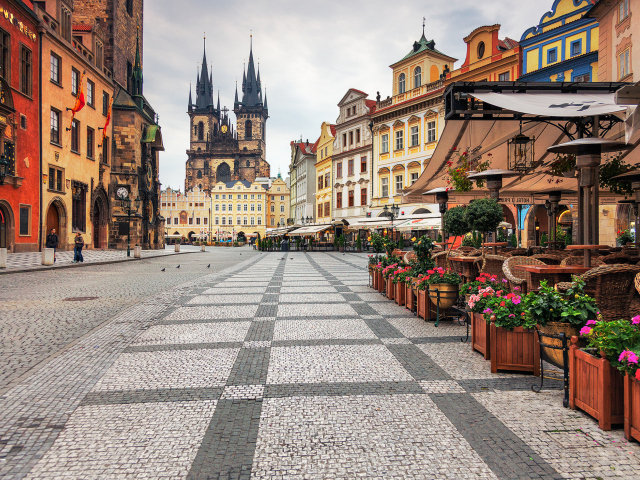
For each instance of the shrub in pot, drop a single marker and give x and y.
(358, 244)
(455, 223)
(443, 286)
(478, 292)
(484, 215)
(628, 366)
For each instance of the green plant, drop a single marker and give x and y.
(377, 242)
(612, 338)
(358, 243)
(543, 306)
(562, 163)
(401, 274)
(336, 243)
(341, 241)
(459, 170)
(468, 241)
(455, 222)
(298, 243)
(514, 240)
(389, 245)
(401, 242)
(568, 237)
(484, 215)
(611, 167)
(477, 239)
(578, 307)
(544, 239)
(508, 310)
(624, 236)
(439, 240)
(438, 276)
(423, 248)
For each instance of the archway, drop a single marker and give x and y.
(419, 211)
(56, 217)
(99, 223)
(223, 173)
(6, 226)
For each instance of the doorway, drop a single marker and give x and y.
(53, 219)
(3, 228)
(99, 224)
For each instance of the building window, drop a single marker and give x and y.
(259, 220)
(327, 180)
(344, 140)
(358, 135)
(130, 7)
(217, 207)
(245, 207)
(175, 221)
(105, 103)
(217, 196)
(79, 206)
(273, 208)
(247, 129)
(190, 220)
(504, 77)
(384, 182)
(327, 209)
(259, 207)
(398, 183)
(401, 83)
(350, 138)
(624, 64)
(90, 133)
(623, 10)
(417, 77)
(281, 197)
(320, 182)
(206, 220)
(216, 221)
(245, 196)
(26, 70)
(385, 143)
(55, 126)
(339, 200)
(399, 140)
(25, 220)
(339, 170)
(230, 205)
(245, 221)
(198, 221)
(273, 221)
(230, 221)
(351, 198)
(75, 136)
(224, 197)
(431, 132)
(576, 48)
(200, 131)
(253, 221)
(582, 78)
(281, 208)
(105, 150)
(5, 55)
(90, 93)
(129, 77)
(552, 55)
(319, 210)
(253, 207)
(75, 81)
(55, 69)
(415, 140)
(224, 207)
(56, 179)
(363, 164)
(238, 221)
(363, 197)
(224, 220)
(350, 167)
(414, 177)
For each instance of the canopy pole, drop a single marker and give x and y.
(596, 189)
(581, 191)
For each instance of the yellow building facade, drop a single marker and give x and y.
(324, 174)
(188, 214)
(239, 206)
(407, 126)
(278, 202)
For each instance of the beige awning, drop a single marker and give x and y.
(311, 230)
(433, 223)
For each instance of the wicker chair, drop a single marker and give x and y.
(441, 259)
(465, 249)
(474, 253)
(519, 278)
(616, 258)
(579, 261)
(518, 252)
(493, 265)
(613, 288)
(437, 249)
(548, 259)
(409, 256)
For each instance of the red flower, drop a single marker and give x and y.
(502, 304)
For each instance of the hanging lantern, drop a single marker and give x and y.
(521, 152)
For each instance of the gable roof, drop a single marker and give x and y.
(422, 45)
(233, 183)
(360, 93)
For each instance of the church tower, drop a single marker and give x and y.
(251, 116)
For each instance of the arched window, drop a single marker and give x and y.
(417, 77)
(199, 174)
(200, 131)
(223, 173)
(247, 129)
(401, 83)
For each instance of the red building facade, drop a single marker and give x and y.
(20, 126)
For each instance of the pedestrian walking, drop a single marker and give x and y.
(77, 249)
(52, 242)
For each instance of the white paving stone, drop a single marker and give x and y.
(321, 329)
(219, 299)
(194, 333)
(316, 310)
(213, 312)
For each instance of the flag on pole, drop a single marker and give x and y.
(80, 102)
(106, 123)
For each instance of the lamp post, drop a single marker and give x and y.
(392, 213)
(632, 177)
(4, 166)
(125, 203)
(552, 205)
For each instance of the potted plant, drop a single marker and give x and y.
(398, 278)
(455, 223)
(629, 360)
(341, 242)
(483, 215)
(514, 341)
(596, 385)
(623, 237)
(477, 293)
(386, 274)
(358, 244)
(443, 286)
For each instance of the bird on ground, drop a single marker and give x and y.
(178, 266)
(162, 270)
(208, 265)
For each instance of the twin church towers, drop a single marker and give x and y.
(220, 151)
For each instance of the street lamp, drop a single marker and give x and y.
(4, 166)
(125, 203)
(392, 213)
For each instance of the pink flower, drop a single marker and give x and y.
(504, 280)
(591, 322)
(511, 315)
(516, 289)
(629, 356)
(515, 300)
(636, 320)
(585, 331)
(487, 310)
(638, 374)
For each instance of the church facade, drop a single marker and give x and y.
(218, 150)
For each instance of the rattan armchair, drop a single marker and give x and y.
(548, 259)
(613, 288)
(519, 278)
(616, 258)
(441, 259)
(465, 249)
(409, 256)
(572, 261)
(517, 252)
(493, 265)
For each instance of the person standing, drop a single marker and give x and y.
(77, 249)
(52, 242)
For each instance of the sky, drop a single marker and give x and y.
(310, 54)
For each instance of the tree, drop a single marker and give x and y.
(484, 215)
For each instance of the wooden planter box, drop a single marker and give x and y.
(595, 387)
(514, 350)
(381, 283)
(409, 297)
(480, 335)
(422, 304)
(374, 279)
(400, 293)
(391, 289)
(631, 408)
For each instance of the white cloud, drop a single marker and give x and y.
(310, 53)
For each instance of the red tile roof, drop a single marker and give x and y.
(371, 104)
(359, 91)
(82, 28)
(333, 130)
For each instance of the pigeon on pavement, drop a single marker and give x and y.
(208, 265)
(178, 266)
(162, 270)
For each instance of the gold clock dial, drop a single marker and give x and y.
(224, 129)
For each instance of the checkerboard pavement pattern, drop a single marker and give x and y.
(288, 366)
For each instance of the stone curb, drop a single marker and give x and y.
(79, 265)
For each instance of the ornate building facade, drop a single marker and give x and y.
(218, 152)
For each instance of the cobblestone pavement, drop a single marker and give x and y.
(287, 366)
(33, 260)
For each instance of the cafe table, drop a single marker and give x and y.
(468, 270)
(494, 246)
(552, 273)
(587, 251)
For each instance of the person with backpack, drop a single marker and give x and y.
(52, 242)
(77, 249)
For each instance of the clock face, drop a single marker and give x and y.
(149, 175)
(123, 193)
(224, 129)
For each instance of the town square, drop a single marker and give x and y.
(438, 279)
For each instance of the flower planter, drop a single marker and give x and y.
(631, 408)
(422, 304)
(374, 278)
(390, 289)
(514, 350)
(552, 355)
(448, 295)
(480, 335)
(595, 387)
(381, 283)
(409, 297)
(399, 293)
